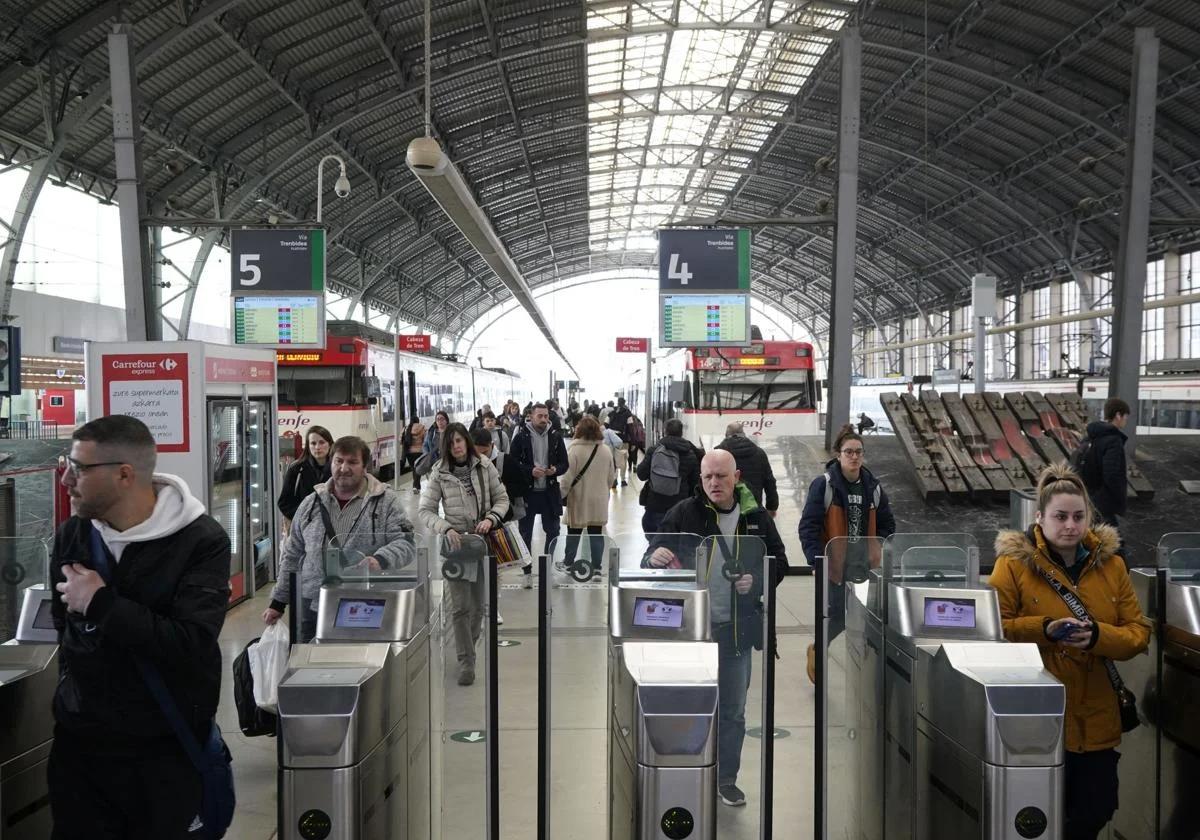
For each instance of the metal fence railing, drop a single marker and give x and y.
(31, 429)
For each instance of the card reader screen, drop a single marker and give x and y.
(949, 612)
(43, 619)
(360, 613)
(657, 612)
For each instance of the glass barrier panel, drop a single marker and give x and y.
(932, 558)
(637, 561)
(736, 572)
(1179, 554)
(575, 690)
(849, 659)
(24, 562)
(369, 557)
(460, 571)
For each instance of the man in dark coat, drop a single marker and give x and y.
(618, 418)
(540, 453)
(753, 464)
(724, 512)
(156, 598)
(1104, 469)
(656, 503)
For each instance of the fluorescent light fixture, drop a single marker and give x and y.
(444, 182)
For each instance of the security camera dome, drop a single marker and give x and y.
(425, 157)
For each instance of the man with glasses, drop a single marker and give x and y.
(154, 598)
(846, 501)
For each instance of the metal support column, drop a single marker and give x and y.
(841, 322)
(1129, 281)
(142, 319)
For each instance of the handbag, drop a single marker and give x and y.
(1126, 699)
(423, 465)
(212, 759)
(506, 546)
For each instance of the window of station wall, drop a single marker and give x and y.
(746, 390)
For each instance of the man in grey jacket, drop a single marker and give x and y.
(365, 515)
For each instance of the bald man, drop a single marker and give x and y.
(738, 535)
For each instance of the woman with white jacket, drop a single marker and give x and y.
(586, 485)
(472, 499)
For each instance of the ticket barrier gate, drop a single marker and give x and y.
(28, 677)
(663, 713)
(355, 717)
(947, 730)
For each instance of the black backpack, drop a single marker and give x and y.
(252, 720)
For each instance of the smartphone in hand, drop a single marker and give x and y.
(1066, 630)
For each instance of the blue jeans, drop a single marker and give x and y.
(537, 503)
(733, 683)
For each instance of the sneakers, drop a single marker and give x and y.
(466, 674)
(527, 577)
(732, 795)
(812, 664)
(499, 618)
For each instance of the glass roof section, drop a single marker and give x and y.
(682, 96)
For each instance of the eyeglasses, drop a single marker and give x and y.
(78, 468)
(852, 453)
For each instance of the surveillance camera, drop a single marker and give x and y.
(273, 219)
(342, 187)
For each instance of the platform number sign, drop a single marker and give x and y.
(277, 260)
(678, 270)
(708, 260)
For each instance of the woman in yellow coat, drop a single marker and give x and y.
(1081, 558)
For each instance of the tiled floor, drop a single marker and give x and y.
(578, 685)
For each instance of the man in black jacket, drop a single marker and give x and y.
(514, 480)
(540, 453)
(654, 500)
(1104, 470)
(618, 418)
(116, 768)
(725, 511)
(753, 464)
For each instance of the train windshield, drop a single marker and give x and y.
(321, 385)
(756, 390)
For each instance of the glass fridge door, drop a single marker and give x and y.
(259, 491)
(227, 480)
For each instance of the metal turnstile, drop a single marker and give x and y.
(354, 713)
(28, 677)
(662, 691)
(1137, 816)
(1179, 697)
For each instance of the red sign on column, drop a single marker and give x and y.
(414, 343)
(633, 345)
(154, 389)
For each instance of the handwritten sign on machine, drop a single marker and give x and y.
(152, 387)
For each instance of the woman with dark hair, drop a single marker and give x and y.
(311, 469)
(433, 439)
(472, 500)
(846, 501)
(413, 443)
(1064, 559)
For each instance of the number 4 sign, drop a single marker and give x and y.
(678, 271)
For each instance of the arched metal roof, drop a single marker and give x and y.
(993, 133)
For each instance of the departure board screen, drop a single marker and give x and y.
(278, 320)
(705, 320)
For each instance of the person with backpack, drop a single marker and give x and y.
(413, 442)
(472, 500)
(847, 500)
(671, 473)
(753, 464)
(1100, 460)
(363, 516)
(590, 472)
(139, 579)
(635, 441)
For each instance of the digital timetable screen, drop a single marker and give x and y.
(279, 320)
(705, 320)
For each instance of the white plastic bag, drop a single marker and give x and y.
(268, 662)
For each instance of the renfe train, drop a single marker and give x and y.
(350, 388)
(769, 387)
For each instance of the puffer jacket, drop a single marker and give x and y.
(461, 511)
(383, 530)
(1028, 603)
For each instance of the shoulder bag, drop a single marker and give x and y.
(211, 759)
(1125, 698)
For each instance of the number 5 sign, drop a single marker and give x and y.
(277, 260)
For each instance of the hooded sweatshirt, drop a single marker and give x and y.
(174, 508)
